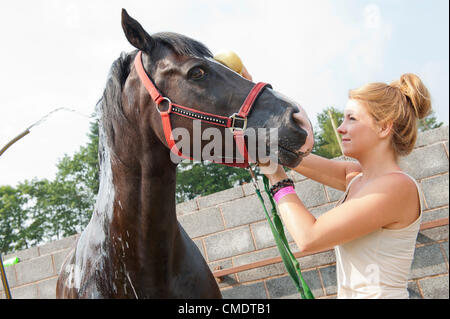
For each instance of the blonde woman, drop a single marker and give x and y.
(374, 226)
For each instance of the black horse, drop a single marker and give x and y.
(134, 246)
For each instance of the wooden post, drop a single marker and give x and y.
(4, 279)
(335, 131)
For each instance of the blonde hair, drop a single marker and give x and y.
(402, 102)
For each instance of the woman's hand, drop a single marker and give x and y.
(273, 171)
(245, 73)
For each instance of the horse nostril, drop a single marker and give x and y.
(298, 119)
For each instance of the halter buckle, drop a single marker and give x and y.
(235, 117)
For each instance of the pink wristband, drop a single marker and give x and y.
(283, 192)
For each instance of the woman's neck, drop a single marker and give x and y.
(378, 162)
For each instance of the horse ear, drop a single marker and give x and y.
(136, 34)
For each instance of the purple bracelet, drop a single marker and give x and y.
(283, 192)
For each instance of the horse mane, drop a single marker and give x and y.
(182, 45)
(109, 107)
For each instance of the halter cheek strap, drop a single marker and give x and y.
(237, 122)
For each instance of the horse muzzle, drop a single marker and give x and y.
(295, 138)
(302, 120)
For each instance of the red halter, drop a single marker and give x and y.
(232, 122)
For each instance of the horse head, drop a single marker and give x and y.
(184, 72)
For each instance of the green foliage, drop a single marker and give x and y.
(203, 178)
(326, 143)
(13, 229)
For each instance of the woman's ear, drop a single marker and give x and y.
(135, 34)
(385, 129)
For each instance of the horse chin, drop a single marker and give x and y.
(288, 158)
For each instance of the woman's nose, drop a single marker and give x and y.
(341, 129)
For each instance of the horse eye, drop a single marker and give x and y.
(196, 73)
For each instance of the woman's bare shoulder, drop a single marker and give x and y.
(352, 170)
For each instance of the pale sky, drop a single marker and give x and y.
(58, 53)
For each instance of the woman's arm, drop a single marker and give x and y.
(333, 173)
(380, 203)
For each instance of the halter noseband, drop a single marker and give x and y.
(237, 122)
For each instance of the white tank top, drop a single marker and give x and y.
(377, 265)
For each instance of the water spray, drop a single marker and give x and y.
(40, 121)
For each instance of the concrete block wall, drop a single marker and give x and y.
(34, 277)
(230, 230)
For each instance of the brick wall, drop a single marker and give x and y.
(230, 230)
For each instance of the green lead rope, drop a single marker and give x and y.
(289, 260)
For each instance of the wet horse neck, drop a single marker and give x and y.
(144, 208)
(137, 210)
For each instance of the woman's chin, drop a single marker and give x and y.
(347, 152)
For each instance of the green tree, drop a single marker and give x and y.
(204, 178)
(12, 220)
(326, 143)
